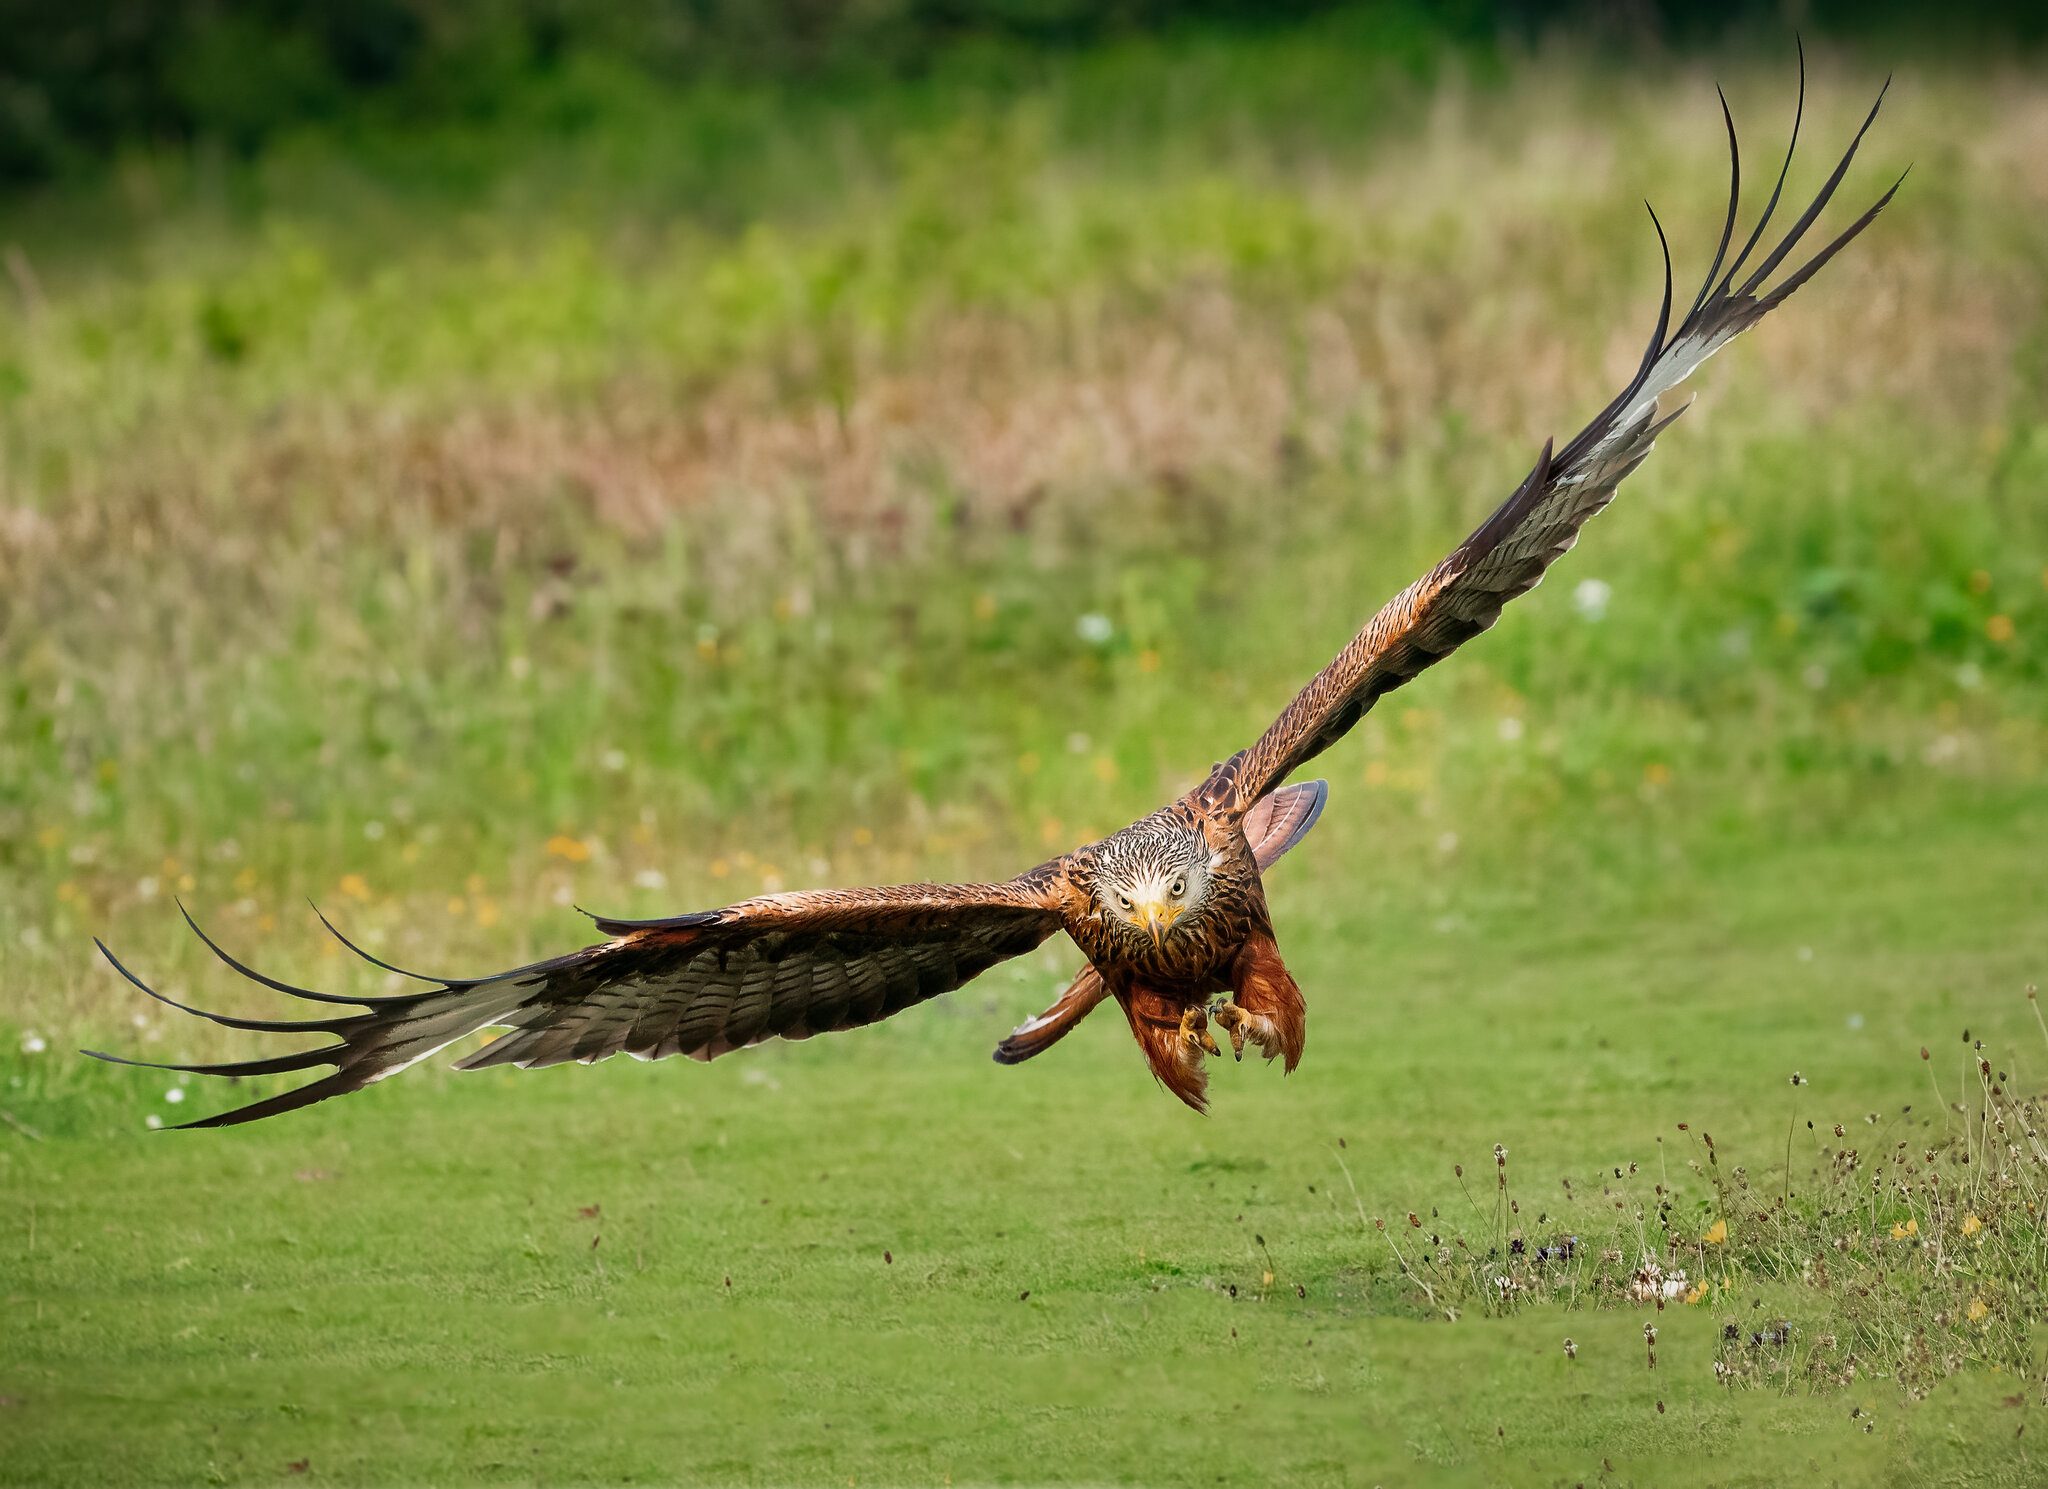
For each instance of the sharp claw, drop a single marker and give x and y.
(1194, 1028)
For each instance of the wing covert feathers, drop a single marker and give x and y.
(1508, 553)
(783, 966)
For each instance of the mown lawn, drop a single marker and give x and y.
(731, 491)
(884, 1259)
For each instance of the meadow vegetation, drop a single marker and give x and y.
(675, 495)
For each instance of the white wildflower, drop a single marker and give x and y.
(651, 879)
(1591, 598)
(175, 1095)
(33, 1043)
(1509, 729)
(1094, 628)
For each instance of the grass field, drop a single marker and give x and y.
(718, 492)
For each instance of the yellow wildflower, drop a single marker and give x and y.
(1656, 773)
(984, 606)
(1105, 768)
(487, 913)
(1971, 1225)
(1694, 1293)
(561, 845)
(1148, 660)
(1910, 1228)
(1977, 1309)
(1717, 1234)
(355, 886)
(50, 836)
(1999, 628)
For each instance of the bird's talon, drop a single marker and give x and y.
(1194, 1028)
(1232, 1017)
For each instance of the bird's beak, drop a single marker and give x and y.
(1156, 917)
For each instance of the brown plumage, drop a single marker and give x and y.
(1170, 912)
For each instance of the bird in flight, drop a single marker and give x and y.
(1169, 912)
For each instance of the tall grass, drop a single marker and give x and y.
(713, 494)
(1899, 1246)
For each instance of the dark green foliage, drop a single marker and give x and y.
(79, 81)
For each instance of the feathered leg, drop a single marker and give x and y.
(1267, 1007)
(1173, 1036)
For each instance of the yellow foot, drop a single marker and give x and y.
(1244, 1025)
(1194, 1028)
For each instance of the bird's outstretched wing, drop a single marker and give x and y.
(787, 965)
(1274, 825)
(1508, 553)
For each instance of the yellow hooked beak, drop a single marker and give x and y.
(1155, 916)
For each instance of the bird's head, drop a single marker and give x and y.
(1154, 880)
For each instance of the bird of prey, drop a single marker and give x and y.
(1170, 912)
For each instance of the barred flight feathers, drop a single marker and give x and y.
(1508, 553)
(782, 966)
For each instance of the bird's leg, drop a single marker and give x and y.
(1265, 1006)
(1194, 1029)
(1243, 1025)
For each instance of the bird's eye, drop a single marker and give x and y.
(1180, 887)
(1124, 900)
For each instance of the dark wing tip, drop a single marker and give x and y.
(377, 961)
(339, 1084)
(694, 921)
(265, 980)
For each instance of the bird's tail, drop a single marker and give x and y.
(1037, 1035)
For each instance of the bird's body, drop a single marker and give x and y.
(1169, 912)
(1224, 944)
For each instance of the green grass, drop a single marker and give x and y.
(404, 1287)
(456, 533)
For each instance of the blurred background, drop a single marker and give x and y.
(461, 456)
